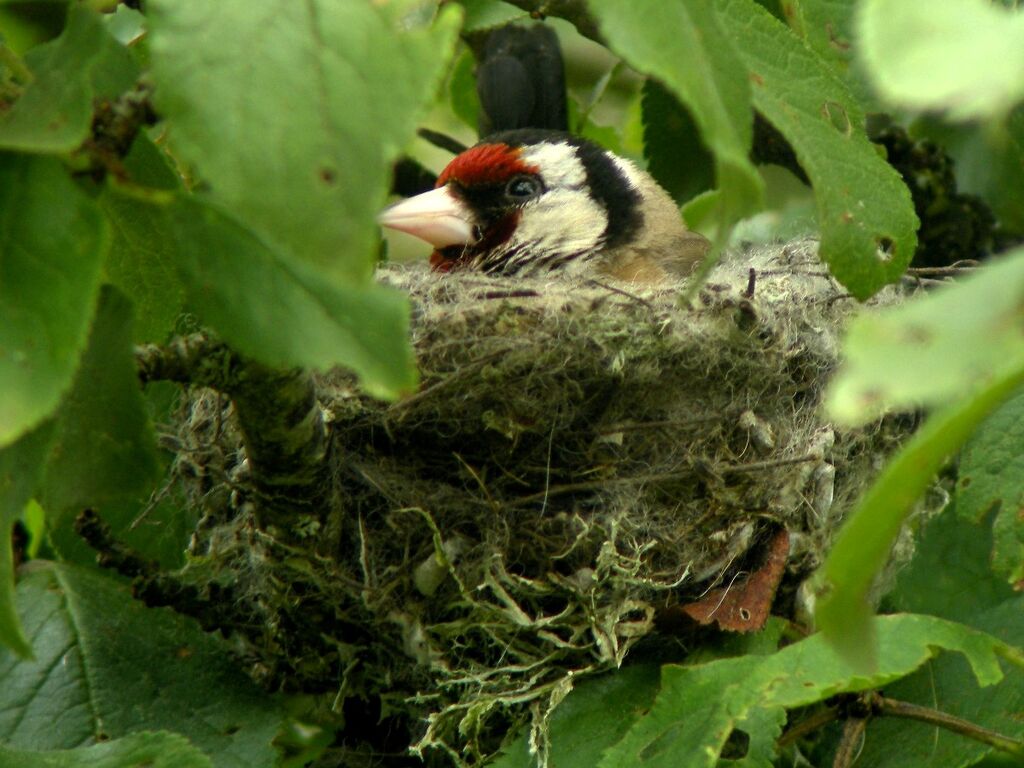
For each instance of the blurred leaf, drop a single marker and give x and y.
(125, 24)
(594, 716)
(21, 465)
(991, 478)
(263, 308)
(26, 23)
(961, 56)
(142, 263)
(699, 706)
(865, 541)
(84, 64)
(52, 243)
(681, 43)
(462, 89)
(104, 449)
(676, 157)
(108, 667)
(865, 211)
(485, 14)
(989, 162)
(152, 750)
(827, 26)
(292, 114)
(934, 348)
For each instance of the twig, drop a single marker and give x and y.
(573, 11)
(850, 743)
(621, 292)
(819, 719)
(895, 708)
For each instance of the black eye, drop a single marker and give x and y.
(523, 188)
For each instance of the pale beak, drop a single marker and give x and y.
(436, 216)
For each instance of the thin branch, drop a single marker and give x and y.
(895, 708)
(850, 743)
(573, 11)
(806, 727)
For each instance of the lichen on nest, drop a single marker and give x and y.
(578, 457)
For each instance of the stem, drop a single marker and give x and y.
(895, 708)
(850, 743)
(819, 719)
(573, 11)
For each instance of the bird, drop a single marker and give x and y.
(537, 202)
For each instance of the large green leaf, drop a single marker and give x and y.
(827, 26)
(676, 157)
(107, 667)
(961, 56)
(991, 479)
(142, 263)
(950, 577)
(865, 211)
(21, 466)
(291, 113)
(699, 706)
(262, 307)
(682, 43)
(149, 750)
(104, 449)
(82, 65)
(593, 717)
(52, 243)
(865, 541)
(935, 348)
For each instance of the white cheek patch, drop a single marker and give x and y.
(563, 221)
(559, 163)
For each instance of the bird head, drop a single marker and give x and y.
(529, 202)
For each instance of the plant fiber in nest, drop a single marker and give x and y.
(578, 458)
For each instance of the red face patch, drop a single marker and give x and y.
(485, 164)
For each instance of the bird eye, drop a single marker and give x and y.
(523, 188)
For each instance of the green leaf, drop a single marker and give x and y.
(595, 715)
(292, 113)
(961, 56)
(865, 211)
(152, 750)
(259, 305)
(863, 545)
(676, 157)
(104, 449)
(84, 64)
(949, 576)
(935, 348)
(699, 706)
(52, 243)
(21, 465)
(486, 14)
(991, 479)
(681, 43)
(827, 27)
(462, 90)
(108, 667)
(142, 263)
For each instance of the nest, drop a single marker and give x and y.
(579, 458)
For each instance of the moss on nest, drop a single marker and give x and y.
(578, 457)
